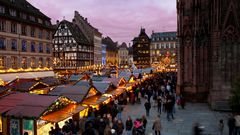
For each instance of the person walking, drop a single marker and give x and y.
(147, 107)
(221, 127)
(231, 124)
(157, 126)
(159, 104)
(129, 125)
(120, 127)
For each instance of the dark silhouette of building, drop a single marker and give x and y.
(208, 32)
(141, 50)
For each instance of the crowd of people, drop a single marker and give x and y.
(157, 91)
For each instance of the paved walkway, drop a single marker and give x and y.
(184, 119)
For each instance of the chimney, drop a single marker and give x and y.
(57, 22)
(85, 19)
(152, 31)
(73, 21)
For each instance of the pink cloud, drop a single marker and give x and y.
(119, 19)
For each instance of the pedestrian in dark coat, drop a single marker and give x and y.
(147, 107)
(129, 125)
(231, 125)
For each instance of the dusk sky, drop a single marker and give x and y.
(119, 19)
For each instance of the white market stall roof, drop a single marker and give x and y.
(27, 75)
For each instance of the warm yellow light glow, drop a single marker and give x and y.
(2, 83)
(10, 70)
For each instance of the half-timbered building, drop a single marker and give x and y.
(71, 47)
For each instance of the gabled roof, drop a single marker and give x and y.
(26, 105)
(115, 81)
(76, 93)
(25, 7)
(98, 78)
(75, 77)
(50, 81)
(28, 86)
(103, 87)
(83, 83)
(76, 32)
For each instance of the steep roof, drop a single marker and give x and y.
(111, 45)
(164, 35)
(25, 7)
(76, 32)
(25, 105)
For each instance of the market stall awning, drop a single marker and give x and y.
(76, 93)
(50, 81)
(83, 83)
(64, 113)
(95, 100)
(103, 87)
(11, 76)
(117, 91)
(75, 77)
(116, 81)
(26, 105)
(98, 78)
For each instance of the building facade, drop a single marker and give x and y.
(104, 54)
(209, 61)
(112, 51)
(130, 56)
(141, 50)
(25, 36)
(71, 48)
(123, 55)
(92, 34)
(163, 49)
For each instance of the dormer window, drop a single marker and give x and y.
(2, 9)
(32, 18)
(12, 12)
(23, 16)
(40, 20)
(47, 23)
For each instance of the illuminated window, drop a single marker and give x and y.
(40, 63)
(2, 62)
(33, 62)
(14, 62)
(28, 126)
(24, 62)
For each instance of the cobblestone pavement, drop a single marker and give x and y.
(184, 119)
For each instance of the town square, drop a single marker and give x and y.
(119, 67)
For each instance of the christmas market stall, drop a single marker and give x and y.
(31, 87)
(98, 78)
(118, 82)
(78, 77)
(77, 94)
(23, 112)
(3, 90)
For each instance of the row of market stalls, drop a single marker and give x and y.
(31, 107)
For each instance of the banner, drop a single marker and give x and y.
(14, 127)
